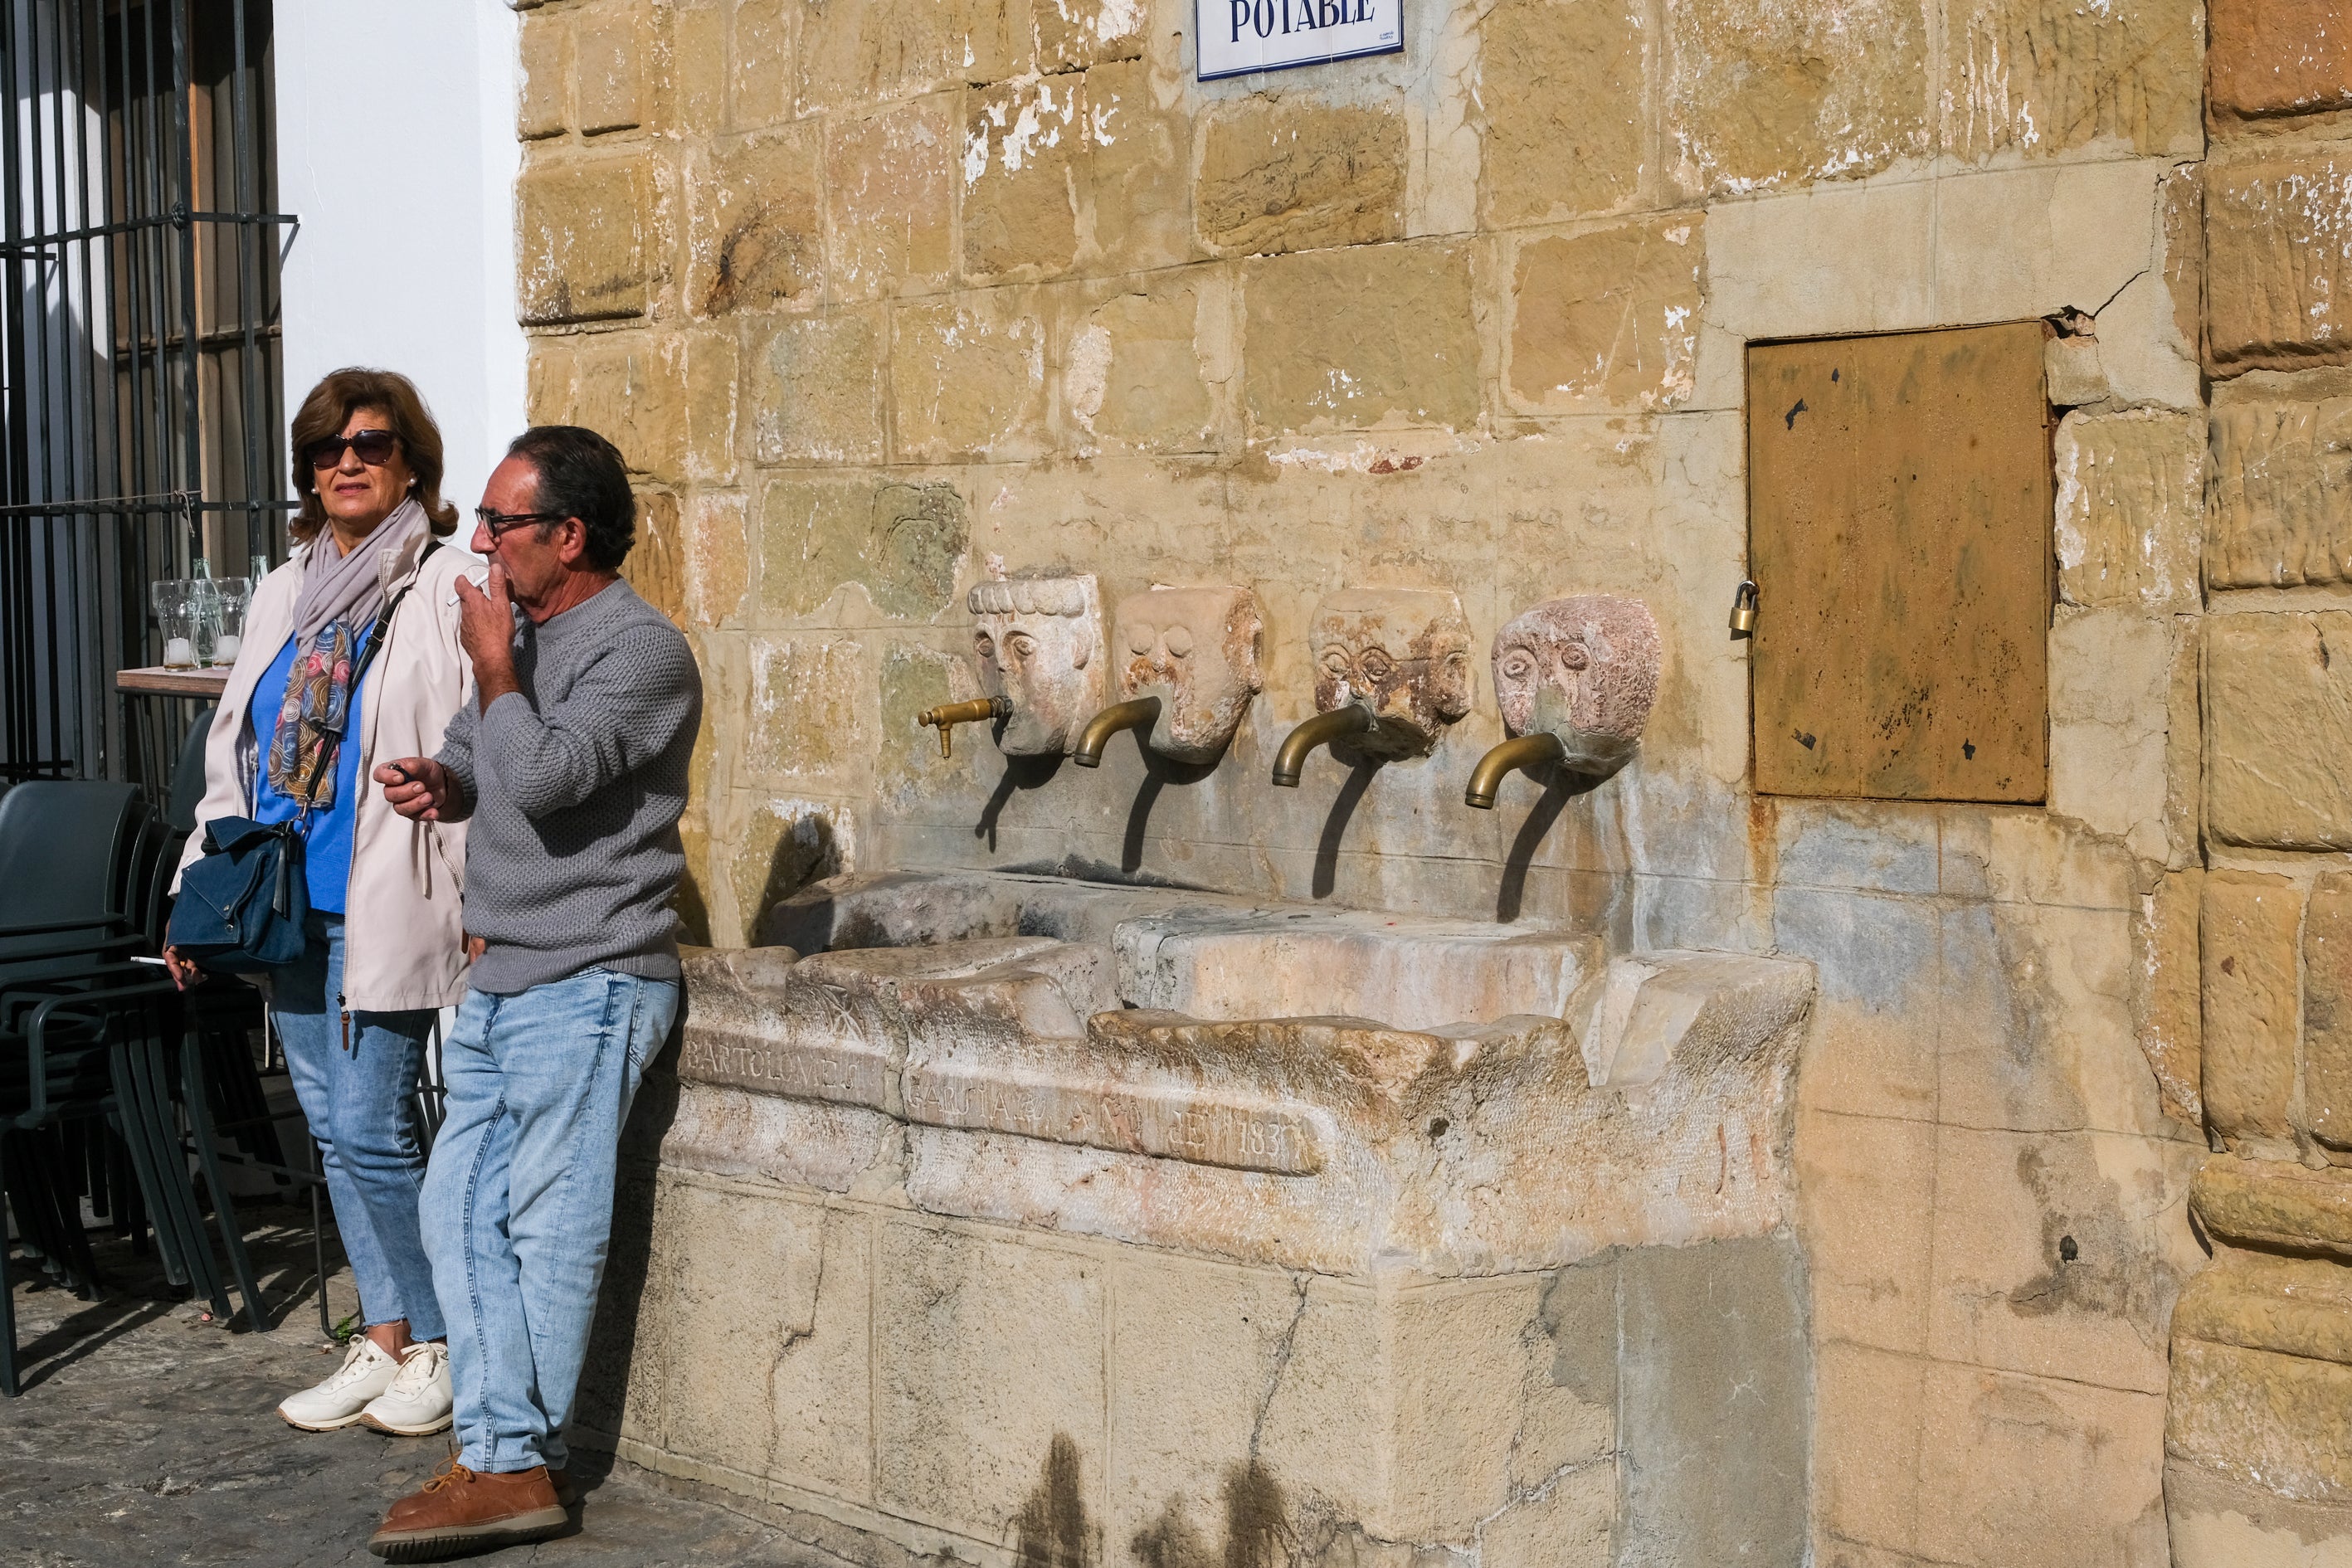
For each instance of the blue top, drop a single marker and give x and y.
(326, 847)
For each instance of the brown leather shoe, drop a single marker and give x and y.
(467, 1511)
(561, 1479)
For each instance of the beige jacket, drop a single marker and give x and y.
(404, 937)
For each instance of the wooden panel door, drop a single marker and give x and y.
(1899, 499)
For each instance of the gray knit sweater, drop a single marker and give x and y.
(574, 785)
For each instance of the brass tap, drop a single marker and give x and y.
(1134, 715)
(1347, 719)
(1525, 751)
(948, 715)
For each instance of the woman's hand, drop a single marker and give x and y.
(417, 787)
(183, 970)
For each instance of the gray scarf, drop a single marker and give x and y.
(350, 587)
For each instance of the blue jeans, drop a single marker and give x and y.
(518, 1201)
(361, 1101)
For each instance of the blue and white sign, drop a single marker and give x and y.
(1238, 37)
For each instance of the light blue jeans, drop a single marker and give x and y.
(519, 1201)
(359, 1099)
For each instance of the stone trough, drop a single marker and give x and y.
(1016, 1218)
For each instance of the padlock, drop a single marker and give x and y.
(1743, 611)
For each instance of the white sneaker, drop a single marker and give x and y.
(418, 1402)
(366, 1371)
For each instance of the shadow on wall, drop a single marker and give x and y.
(806, 850)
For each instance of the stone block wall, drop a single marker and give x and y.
(882, 295)
(2261, 1380)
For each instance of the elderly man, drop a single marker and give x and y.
(572, 770)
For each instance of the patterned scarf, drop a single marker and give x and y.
(311, 720)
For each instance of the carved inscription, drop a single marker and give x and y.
(789, 1068)
(1125, 1120)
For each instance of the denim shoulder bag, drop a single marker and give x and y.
(243, 905)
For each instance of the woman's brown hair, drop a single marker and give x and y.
(343, 393)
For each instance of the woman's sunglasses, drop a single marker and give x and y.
(375, 449)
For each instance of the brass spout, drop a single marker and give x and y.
(1347, 719)
(1135, 715)
(948, 715)
(1526, 752)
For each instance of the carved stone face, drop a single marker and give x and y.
(1040, 643)
(1406, 651)
(1584, 667)
(1199, 650)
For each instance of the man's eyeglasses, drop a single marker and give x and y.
(375, 449)
(501, 522)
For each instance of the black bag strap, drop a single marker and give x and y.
(377, 640)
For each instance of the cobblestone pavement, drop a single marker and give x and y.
(147, 1436)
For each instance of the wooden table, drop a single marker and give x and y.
(158, 730)
(204, 684)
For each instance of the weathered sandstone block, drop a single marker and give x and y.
(858, 52)
(813, 710)
(968, 378)
(1608, 318)
(762, 86)
(2247, 952)
(2130, 497)
(2278, 722)
(580, 234)
(1139, 170)
(817, 390)
(1071, 34)
(632, 388)
(1201, 652)
(2266, 58)
(2166, 1014)
(1134, 371)
(756, 240)
(1293, 174)
(1560, 85)
(892, 186)
(2255, 1415)
(1315, 360)
(2275, 1204)
(2327, 1010)
(656, 566)
(614, 56)
(1025, 154)
(2278, 257)
(902, 542)
(543, 102)
(1775, 92)
(2281, 493)
(2041, 77)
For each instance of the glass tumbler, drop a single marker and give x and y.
(231, 598)
(176, 607)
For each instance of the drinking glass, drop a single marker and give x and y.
(175, 600)
(231, 598)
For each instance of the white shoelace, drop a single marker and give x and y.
(417, 1370)
(356, 1364)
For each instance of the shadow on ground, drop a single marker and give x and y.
(146, 1435)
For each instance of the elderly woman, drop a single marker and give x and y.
(292, 742)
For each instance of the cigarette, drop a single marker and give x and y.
(158, 962)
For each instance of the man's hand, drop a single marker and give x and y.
(183, 970)
(417, 787)
(475, 947)
(486, 630)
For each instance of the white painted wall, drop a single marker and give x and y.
(397, 149)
